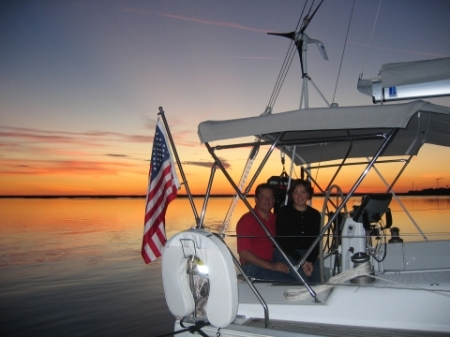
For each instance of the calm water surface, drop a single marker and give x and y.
(72, 267)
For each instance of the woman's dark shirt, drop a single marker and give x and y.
(298, 230)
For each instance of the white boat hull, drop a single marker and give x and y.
(406, 300)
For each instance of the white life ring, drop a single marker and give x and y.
(222, 304)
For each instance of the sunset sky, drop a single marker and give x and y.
(81, 82)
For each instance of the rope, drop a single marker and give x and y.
(371, 36)
(282, 75)
(299, 294)
(192, 329)
(343, 52)
(285, 66)
(440, 292)
(340, 279)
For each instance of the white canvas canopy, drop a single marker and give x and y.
(324, 134)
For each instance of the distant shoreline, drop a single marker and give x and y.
(424, 192)
(431, 191)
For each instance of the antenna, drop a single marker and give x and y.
(437, 182)
(301, 41)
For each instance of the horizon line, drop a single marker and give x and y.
(217, 195)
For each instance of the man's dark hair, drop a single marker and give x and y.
(264, 186)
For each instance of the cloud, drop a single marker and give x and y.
(116, 155)
(198, 163)
(63, 137)
(64, 167)
(206, 164)
(27, 151)
(212, 23)
(191, 19)
(37, 152)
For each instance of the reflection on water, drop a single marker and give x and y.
(430, 214)
(73, 266)
(39, 230)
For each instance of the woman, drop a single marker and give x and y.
(297, 227)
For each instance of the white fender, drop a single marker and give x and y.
(222, 304)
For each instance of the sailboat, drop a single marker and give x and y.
(371, 285)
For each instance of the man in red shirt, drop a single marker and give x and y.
(254, 247)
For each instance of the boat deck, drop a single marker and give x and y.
(429, 280)
(273, 293)
(349, 309)
(332, 330)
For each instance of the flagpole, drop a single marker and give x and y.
(172, 144)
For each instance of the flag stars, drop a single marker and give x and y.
(160, 152)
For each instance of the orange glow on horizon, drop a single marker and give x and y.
(120, 176)
(136, 184)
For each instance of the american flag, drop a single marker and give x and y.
(162, 189)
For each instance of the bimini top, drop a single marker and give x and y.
(323, 134)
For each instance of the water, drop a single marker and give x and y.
(72, 267)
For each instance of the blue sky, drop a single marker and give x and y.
(81, 81)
